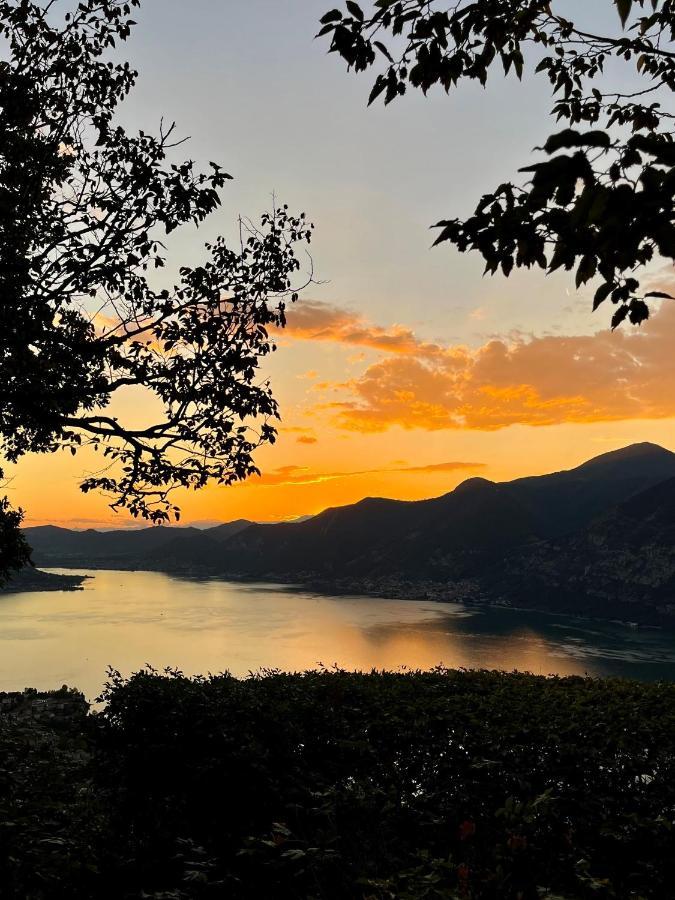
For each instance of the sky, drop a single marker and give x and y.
(404, 371)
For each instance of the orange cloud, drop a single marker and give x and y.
(299, 475)
(312, 320)
(304, 435)
(607, 376)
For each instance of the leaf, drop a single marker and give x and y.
(355, 10)
(602, 294)
(378, 87)
(587, 269)
(624, 8)
(619, 316)
(639, 312)
(661, 295)
(571, 138)
(334, 15)
(383, 50)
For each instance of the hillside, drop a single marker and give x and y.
(565, 501)
(123, 548)
(444, 537)
(31, 579)
(622, 564)
(594, 539)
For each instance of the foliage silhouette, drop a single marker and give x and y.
(84, 208)
(601, 203)
(14, 549)
(332, 785)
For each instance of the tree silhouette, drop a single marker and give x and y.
(84, 209)
(601, 202)
(14, 550)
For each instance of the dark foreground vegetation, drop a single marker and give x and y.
(336, 785)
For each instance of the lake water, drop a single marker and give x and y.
(127, 619)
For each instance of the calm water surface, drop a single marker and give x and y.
(127, 619)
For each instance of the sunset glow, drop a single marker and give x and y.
(402, 371)
(413, 420)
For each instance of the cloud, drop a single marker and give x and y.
(312, 320)
(304, 435)
(299, 475)
(548, 380)
(439, 467)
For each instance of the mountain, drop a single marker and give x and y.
(449, 537)
(574, 540)
(223, 532)
(566, 501)
(443, 537)
(66, 545)
(622, 564)
(124, 548)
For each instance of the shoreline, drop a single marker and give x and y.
(467, 594)
(36, 579)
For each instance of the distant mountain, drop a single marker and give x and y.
(569, 540)
(439, 538)
(450, 537)
(124, 548)
(221, 533)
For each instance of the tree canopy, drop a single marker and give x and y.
(600, 202)
(85, 207)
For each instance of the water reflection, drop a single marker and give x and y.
(127, 619)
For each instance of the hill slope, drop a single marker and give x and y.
(444, 537)
(124, 548)
(566, 501)
(450, 537)
(622, 564)
(578, 540)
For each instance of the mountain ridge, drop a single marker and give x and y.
(505, 541)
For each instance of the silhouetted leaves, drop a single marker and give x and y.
(624, 8)
(605, 209)
(14, 551)
(84, 209)
(330, 785)
(570, 138)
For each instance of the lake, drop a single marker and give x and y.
(127, 619)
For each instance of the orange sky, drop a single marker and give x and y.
(403, 371)
(371, 409)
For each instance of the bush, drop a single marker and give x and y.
(336, 785)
